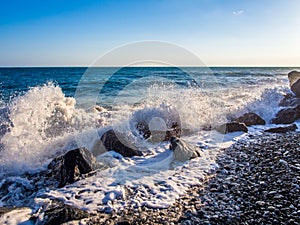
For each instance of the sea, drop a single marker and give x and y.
(47, 111)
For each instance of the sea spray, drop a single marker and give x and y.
(43, 120)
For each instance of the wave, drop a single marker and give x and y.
(41, 123)
(44, 122)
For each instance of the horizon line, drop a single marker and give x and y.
(143, 66)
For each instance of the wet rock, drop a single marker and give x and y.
(69, 167)
(184, 151)
(289, 100)
(232, 127)
(287, 115)
(156, 124)
(250, 119)
(284, 129)
(294, 78)
(115, 141)
(257, 188)
(159, 135)
(57, 213)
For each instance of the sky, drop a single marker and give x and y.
(219, 32)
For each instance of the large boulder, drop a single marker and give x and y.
(57, 213)
(184, 151)
(294, 78)
(115, 141)
(250, 119)
(69, 167)
(287, 115)
(284, 129)
(232, 127)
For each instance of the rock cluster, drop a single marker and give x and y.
(291, 102)
(257, 182)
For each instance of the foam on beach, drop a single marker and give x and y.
(46, 123)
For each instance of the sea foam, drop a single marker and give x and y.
(45, 123)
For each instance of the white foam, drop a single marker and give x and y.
(157, 181)
(44, 120)
(17, 216)
(47, 123)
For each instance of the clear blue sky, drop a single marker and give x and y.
(220, 32)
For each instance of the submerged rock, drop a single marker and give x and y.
(250, 119)
(294, 78)
(284, 129)
(287, 115)
(57, 213)
(184, 151)
(69, 167)
(115, 141)
(232, 127)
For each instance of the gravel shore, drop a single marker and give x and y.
(257, 182)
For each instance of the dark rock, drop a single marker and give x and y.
(157, 124)
(175, 130)
(123, 223)
(159, 135)
(69, 167)
(58, 212)
(232, 127)
(184, 151)
(115, 141)
(250, 119)
(287, 115)
(289, 100)
(143, 129)
(285, 129)
(294, 78)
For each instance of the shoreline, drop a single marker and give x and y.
(257, 182)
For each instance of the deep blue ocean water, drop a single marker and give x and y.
(16, 81)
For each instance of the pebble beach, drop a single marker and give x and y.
(257, 182)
